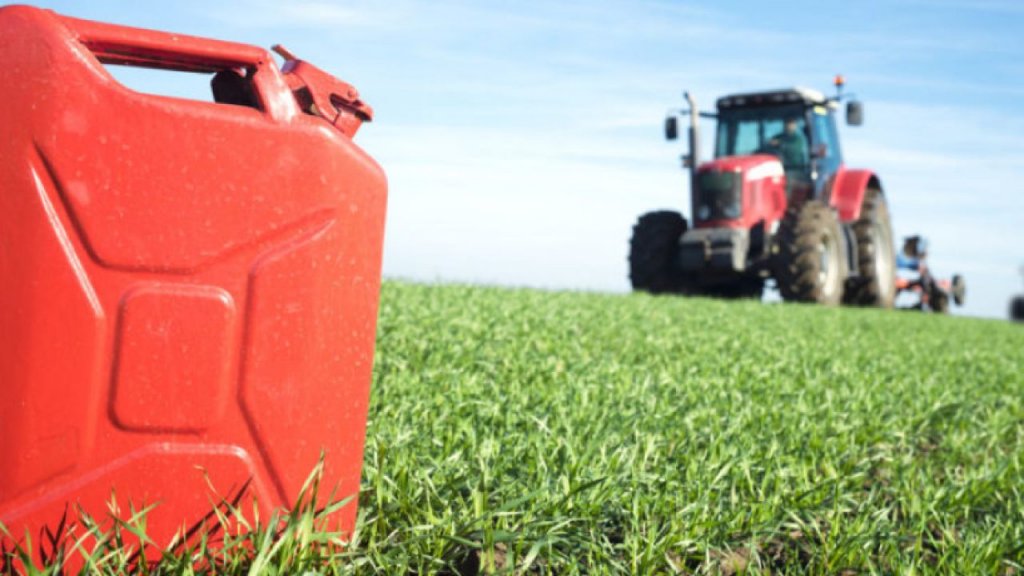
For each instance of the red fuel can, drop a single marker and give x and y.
(188, 289)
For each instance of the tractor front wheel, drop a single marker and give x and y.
(810, 258)
(876, 283)
(653, 250)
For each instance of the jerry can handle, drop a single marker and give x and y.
(112, 44)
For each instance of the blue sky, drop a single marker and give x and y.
(522, 139)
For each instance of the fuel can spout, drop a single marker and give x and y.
(320, 94)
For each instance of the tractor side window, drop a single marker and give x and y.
(833, 135)
(825, 136)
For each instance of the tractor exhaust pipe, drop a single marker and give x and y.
(694, 133)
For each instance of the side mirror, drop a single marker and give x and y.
(854, 113)
(671, 128)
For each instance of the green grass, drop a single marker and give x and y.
(568, 433)
(519, 431)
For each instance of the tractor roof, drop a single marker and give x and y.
(805, 96)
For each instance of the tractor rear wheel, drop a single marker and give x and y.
(811, 260)
(1017, 309)
(653, 250)
(876, 283)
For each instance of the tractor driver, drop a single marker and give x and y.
(790, 146)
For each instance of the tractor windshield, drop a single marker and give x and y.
(779, 130)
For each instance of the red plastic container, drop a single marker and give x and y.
(187, 288)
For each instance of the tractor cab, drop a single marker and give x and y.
(797, 126)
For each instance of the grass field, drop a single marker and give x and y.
(518, 430)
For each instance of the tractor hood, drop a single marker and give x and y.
(753, 167)
(729, 190)
(739, 191)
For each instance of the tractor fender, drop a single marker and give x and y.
(848, 192)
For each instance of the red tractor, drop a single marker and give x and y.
(776, 202)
